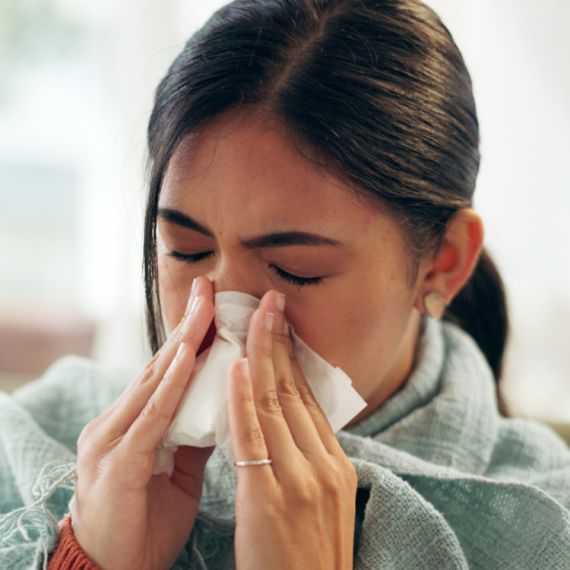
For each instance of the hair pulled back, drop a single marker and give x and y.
(376, 89)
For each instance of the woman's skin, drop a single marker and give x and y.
(233, 207)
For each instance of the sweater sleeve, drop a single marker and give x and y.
(68, 555)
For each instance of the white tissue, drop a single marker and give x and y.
(202, 416)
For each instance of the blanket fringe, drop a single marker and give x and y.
(53, 475)
(57, 474)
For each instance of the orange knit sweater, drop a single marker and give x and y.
(68, 555)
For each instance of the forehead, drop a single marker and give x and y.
(243, 172)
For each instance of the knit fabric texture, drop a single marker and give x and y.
(68, 555)
(448, 483)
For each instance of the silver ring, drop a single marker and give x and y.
(254, 462)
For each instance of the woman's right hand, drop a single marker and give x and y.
(124, 516)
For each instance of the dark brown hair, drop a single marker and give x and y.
(377, 89)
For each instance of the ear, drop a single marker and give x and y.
(450, 268)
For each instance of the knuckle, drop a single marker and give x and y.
(269, 402)
(85, 435)
(307, 396)
(301, 491)
(254, 437)
(90, 458)
(99, 455)
(90, 437)
(245, 398)
(152, 411)
(332, 480)
(343, 478)
(280, 338)
(266, 350)
(331, 490)
(124, 464)
(307, 495)
(286, 385)
(149, 371)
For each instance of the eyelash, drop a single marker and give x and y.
(191, 258)
(293, 279)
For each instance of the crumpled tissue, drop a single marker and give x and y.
(202, 420)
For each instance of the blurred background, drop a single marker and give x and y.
(76, 86)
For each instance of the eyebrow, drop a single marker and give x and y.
(277, 239)
(182, 220)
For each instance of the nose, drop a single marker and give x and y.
(236, 275)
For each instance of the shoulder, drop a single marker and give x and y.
(71, 393)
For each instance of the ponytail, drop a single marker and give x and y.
(480, 309)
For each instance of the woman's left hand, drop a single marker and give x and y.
(297, 512)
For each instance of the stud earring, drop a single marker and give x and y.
(434, 304)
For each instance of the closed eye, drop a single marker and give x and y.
(293, 279)
(190, 257)
(289, 277)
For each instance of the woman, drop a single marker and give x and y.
(320, 155)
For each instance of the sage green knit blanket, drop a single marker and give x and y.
(444, 481)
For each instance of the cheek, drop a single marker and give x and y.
(174, 290)
(332, 325)
(361, 334)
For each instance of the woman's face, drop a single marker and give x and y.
(239, 206)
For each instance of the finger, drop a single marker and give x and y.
(320, 421)
(130, 402)
(148, 429)
(248, 440)
(259, 352)
(168, 347)
(298, 418)
(191, 332)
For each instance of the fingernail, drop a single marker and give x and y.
(244, 367)
(268, 319)
(189, 316)
(280, 302)
(192, 296)
(194, 305)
